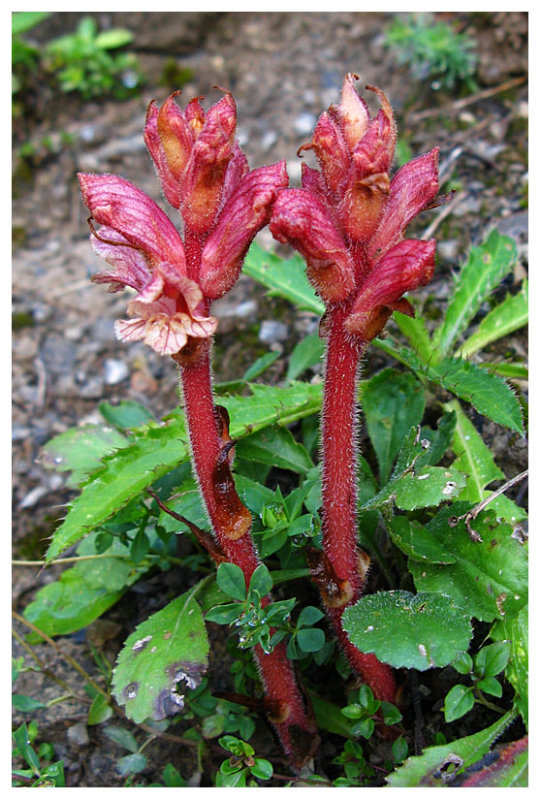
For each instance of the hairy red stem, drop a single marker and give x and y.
(339, 493)
(231, 523)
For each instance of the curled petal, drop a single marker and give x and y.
(204, 178)
(413, 187)
(120, 205)
(175, 135)
(236, 170)
(245, 213)
(351, 113)
(385, 122)
(331, 151)
(302, 220)
(129, 265)
(405, 267)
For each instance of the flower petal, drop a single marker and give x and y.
(331, 151)
(412, 188)
(351, 112)
(301, 219)
(119, 204)
(245, 213)
(129, 265)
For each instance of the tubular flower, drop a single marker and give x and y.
(348, 220)
(205, 175)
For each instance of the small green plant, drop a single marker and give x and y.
(433, 50)
(483, 670)
(86, 62)
(243, 767)
(41, 769)
(24, 55)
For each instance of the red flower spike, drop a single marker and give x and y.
(302, 219)
(246, 211)
(348, 222)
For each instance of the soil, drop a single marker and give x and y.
(283, 69)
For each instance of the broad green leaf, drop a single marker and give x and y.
(507, 317)
(165, 656)
(277, 447)
(305, 354)
(25, 704)
(260, 365)
(22, 21)
(440, 439)
(99, 711)
(84, 592)
(507, 768)
(489, 579)
(492, 659)
(126, 414)
(132, 763)
(486, 267)
(284, 277)
(425, 487)
(487, 392)
(406, 630)
(436, 764)
(476, 462)
(261, 581)
(230, 579)
(515, 630)
(310, 640)
(393, 402)
(122, 737)
(80, 450)
(157, 448)
(329, 717)
(414, 540)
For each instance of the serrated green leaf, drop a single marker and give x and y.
(423, 488)
(80, 450)
(434, 766)
(505, 318)
(515, 630)
(283, 277)
(486, 267)
(489, 394)
(156, 449)
(506, 769)
(476, 462)
(164, 656)
(277, 447)
(305, 354)
(489, 579)
(406, 630)
(416, 332)
(414, 540)
(126, 414)
(393, 403)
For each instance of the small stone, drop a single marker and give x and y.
(116, 371)
(78, 734)
(305, 123)
(448, 250)
(268, 140)
(246, 309)
(272, 331)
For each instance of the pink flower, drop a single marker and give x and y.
(205, 175)
(349, 218)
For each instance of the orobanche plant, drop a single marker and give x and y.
(205, 470)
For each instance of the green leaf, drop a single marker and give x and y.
(224, 614)
(126, 414)
(490, 686)
(422, 488)
(284, 277)
(492, 659)
(305, 354)
(436, 764)
(506, 768)
(458, 702)
(515, 630)
(22, 21)
(505, 318)
(329, 717)
(230, 579)
(80, 450)
(488, 579)
(393, 403)
(416, 332)
(277, 447)
(475, 460)
(308, 616)
(261, 581)
(109, 40)
(156, 449)
(310, 640)
(132, 764)
(415, 541)
(406, 630)
(262, 769)
(489, 394)
(440, 439)
(122, 737)
(164, 657)
(260, 365)
(99, 711)
(25, 704)
(486, 267)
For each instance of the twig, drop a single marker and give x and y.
(473, 512)
(45, 670)
(71, 661)
(446, 210)
(464, 102)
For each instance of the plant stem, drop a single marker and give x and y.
(339, 495)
